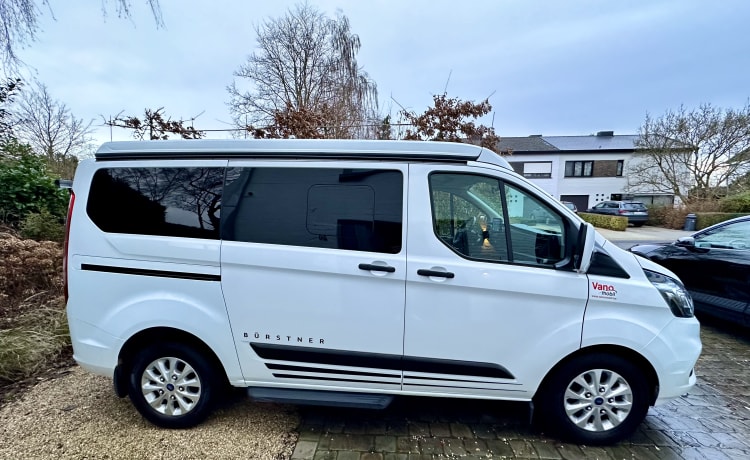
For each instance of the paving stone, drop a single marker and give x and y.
(396, 457)
(325, 455)
(454, 447)
(348, 456)
(431, 446)
(310, 432)
(419, 429)
(407, 444)
(385, 444)
(304, 450)
(358, 442)
(440, 430)
(522, 448)
(732, 441)
(499, 448)
(476, 446)
(461, 430)
(546, 449)
(371, 456)
(696, 453)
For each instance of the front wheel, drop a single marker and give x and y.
(171, 385)
(595, 399)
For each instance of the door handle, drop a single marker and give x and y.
(377, 268)
(426, 272)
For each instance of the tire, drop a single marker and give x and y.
(595, 399)
(172, 385)
(638, 224)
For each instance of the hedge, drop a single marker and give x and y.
(707, 219)
(618, 223)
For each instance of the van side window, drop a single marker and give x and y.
(181, 202)
(335, 208)
(485, 219)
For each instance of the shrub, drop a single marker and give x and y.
(666, 216)
(707, 219)
(43, 226)
(27, 267)
(25, 186)
(736, 203)
(610, 222)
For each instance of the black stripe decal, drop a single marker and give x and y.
(332, 379)
(145, 272)
(282, 367)
(379, 361)
(414, 377)
(457, 387)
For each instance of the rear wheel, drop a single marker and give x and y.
(172, 385)
(594, 399)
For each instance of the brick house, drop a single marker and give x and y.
(584, 170)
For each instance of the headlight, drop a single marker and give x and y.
(674, 294)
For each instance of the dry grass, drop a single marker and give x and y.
(34, 340)
(33, 327)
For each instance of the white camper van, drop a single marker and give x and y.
(351, 272)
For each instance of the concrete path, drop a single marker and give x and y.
(645, 233)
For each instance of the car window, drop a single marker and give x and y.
(732, 236)
(634, 206)
(470, 213)
(332, 208)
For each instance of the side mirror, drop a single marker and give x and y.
(584, 247)
(685, 242)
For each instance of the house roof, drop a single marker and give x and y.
(603, 141)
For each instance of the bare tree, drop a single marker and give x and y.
(688, 152)
(154, 126)
(19, 23)
(306, 67)
(451, 120)
(52, 131)
(8, 90)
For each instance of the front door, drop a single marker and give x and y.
(313, 273)
(487, 312)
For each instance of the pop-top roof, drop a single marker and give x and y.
(297, 148)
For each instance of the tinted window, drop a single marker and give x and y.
(731, 236)
(182, 202)
(355, 209)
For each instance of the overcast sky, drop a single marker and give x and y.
(549, 67)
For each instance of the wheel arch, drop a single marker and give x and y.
(628, 354)
(155, 335)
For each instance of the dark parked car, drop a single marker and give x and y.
(571, 206)
(714, 265)
(635, 211)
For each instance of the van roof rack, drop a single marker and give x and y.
(298, 148)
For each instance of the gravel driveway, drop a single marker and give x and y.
(78, 416)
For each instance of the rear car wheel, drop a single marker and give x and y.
(595, 399)
(172, 385)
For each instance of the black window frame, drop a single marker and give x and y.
(571, 165)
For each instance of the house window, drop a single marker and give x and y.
(579, 168)
(537, 170)
(620, 164)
